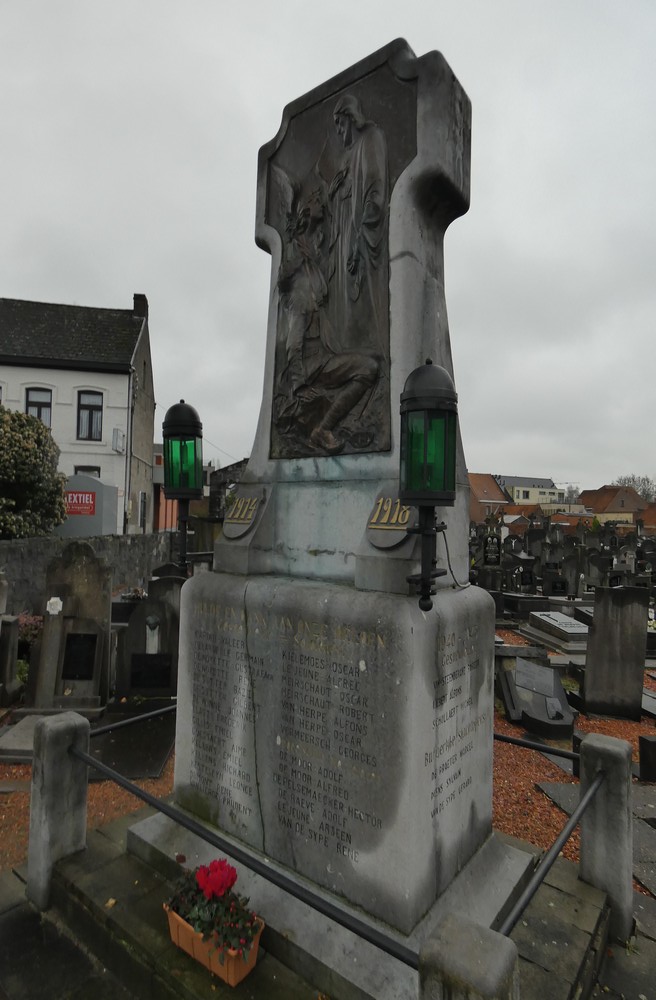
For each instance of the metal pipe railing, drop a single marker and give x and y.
(364, 930)
(541, 747)
(387, 944)
(101, 730)
(549, 858)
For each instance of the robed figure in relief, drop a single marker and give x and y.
(332, 332)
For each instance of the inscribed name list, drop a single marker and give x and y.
(324, 743)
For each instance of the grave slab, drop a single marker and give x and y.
(16, 741)
(559, 625)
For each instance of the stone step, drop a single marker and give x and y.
(112, 903)
(562, 937)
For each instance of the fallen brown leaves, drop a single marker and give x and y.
(106, 801)
(519, 808)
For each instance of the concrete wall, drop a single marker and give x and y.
(131, 557)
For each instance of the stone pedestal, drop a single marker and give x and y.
(344, 734)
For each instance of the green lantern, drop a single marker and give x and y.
(182, 432)
(427, 475)
(429, 423)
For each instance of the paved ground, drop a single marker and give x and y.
(38, 958)
(630, 973)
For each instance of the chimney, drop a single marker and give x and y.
(140, 307)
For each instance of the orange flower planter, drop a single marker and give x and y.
(235, 967)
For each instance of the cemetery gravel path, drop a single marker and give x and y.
(106, 802)
(519, 808)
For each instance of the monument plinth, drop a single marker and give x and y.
(324, 720)
(346, 737)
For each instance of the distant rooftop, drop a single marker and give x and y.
(526, 481)
(43, 334)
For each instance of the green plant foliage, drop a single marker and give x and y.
(205, 900)
(31, 489)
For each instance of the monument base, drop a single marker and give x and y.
(344, 734)
(333, 959)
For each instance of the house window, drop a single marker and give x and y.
(142, 509)
(89, 416)
(525, 494)
(38, 403)
(87, 470)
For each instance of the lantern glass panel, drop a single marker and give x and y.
(440, 451)
(428, 451)
(183, 464)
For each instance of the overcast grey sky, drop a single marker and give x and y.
(130, 131)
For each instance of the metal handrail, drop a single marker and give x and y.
(548, 859)
(364, 930)
(541, 747)
(101, 730)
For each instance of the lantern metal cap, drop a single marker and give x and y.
(182, 420)
(429, 387)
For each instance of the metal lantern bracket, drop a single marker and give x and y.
(429, 569)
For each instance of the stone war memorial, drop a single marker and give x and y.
(324, 720)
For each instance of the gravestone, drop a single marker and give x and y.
(323, 718)
(533, 694)
(10, 687)
(71, 672)
(491, 573)
(554, 583)
(615, 658)
(521, 605)
(147, 657)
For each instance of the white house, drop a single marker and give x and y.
(87, 373)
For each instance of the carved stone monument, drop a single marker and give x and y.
(72, 670)
(323, 719)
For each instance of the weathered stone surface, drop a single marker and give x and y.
(307, 504)
(557, 624)
(322, 717)
(615, 660)
(607, 827)
(464, 961)
(58, 805)
(132, 558)
(332, 731)
(558, 952)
